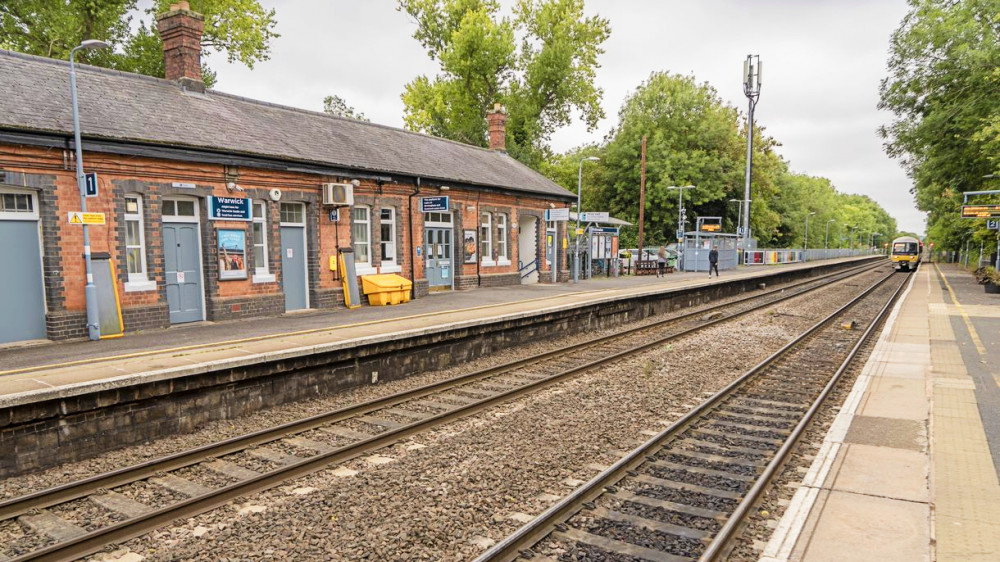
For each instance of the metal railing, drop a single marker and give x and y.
(529, 268)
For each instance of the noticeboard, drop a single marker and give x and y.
(980, 211)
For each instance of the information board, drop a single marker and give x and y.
(594, 216)
(434, 204)
(980, 211)
(557, 214)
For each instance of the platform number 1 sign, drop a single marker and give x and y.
(91, 184)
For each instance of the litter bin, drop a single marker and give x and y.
(387, 288)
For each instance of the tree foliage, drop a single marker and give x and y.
(242, 29)
(694, 138)
(944, 69)
(336, 105)
(540, 63)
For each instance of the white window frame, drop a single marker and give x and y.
(31, 215)
(362, 267)
(486, 239)
(140, 281)
(503, 233)
(388, 265)
(261, 274)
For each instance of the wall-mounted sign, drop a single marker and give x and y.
(469, 247)
(182, 185)
(76, 217)
(228, 208)
(335, 214)
(434, 204)
(232, 254)
(980, 211)
(90, 179)
(595, 217)
(993, 224)
(557, 214)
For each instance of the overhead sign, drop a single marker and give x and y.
(434, 204)
(594, 217)
(90, 181)
(993, 224)
(980, 211)
(229, 208)
(711, 227)
(76, 217)
(603, 230)
(557, 214)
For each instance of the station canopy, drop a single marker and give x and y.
(612, 221)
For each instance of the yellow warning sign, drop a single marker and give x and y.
(76, 217)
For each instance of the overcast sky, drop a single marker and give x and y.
(823, 60)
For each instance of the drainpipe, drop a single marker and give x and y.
(479, 221)
(413, 243)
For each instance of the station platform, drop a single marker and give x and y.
(909, 469)
(55, 370)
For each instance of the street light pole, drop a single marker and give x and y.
(826, 244)
(579, 184)
(751, 89)
(805, 239)
(89, 291)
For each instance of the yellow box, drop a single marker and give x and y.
(387, 288)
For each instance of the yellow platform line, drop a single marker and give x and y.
(136, 354)
(965, 317)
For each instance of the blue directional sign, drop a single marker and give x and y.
(229, 208)
(993, 224)
(434, 204)
(91, 183)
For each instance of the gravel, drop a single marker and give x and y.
(471, 479)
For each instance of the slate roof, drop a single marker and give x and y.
(34, 97)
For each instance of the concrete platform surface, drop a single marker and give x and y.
(44, 369)
(909, 469)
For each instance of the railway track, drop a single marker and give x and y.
(685, 493)
(132, 501)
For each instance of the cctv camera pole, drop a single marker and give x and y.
(642, 193)
(751, 89)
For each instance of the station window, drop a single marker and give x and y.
(502, 255)
(16, 203)
(135, 246)
(387, 240)
(292, 213)
(179, 208)
(260, 255)
(361, 233)
(486, 238)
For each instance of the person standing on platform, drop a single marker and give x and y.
(713, 262)
(661, 261)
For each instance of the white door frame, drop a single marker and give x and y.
(196, 219)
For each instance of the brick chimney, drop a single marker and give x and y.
(497, 120)
(180, 31)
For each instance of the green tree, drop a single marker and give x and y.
(335, 105)
(242, 29)
(944, 67)
(540, 63)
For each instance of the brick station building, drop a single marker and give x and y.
(172, 162)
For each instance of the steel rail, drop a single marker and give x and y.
(723, 539)
(535, 530)
(139, 525)
(81, 488)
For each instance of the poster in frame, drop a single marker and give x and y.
(470, 249)
(232, 254)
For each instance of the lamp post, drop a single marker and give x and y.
(805, 239)
(89, 291)
(681, 215)
(751, 89)
(579, 212)
(871, 240)
(826, 245)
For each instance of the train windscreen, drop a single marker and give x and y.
(904, 248)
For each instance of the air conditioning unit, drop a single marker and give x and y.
(338, 194)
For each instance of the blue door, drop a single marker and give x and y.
(437, 249)
(182, 269)
(293, 267)
(22, 304)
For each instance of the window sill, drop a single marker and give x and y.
(139, 286)
(503, 262)
(364, 269)
(392, 268)
(264, 278)
(488, 263)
